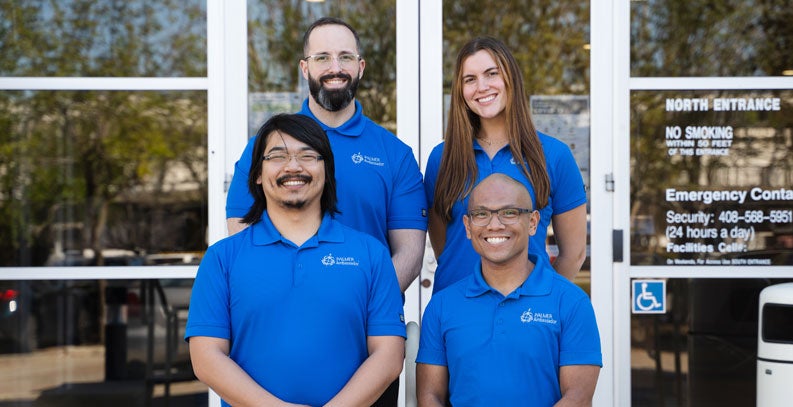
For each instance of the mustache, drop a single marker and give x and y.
(340, 75)
(302, 177)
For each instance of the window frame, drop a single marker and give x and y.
(213, 84)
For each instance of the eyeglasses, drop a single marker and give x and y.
(507, 216)
(324, 61)
(283, 158)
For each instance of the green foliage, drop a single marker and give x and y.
(548, 40)
(275, 46)
(711, 38)
(68, 157)
(103, 38)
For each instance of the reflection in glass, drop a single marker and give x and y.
(96, 342)
(710, 38)
(550, 40)
(704, 344)
(275, 47)
(103, 38)
(102, 178)
(711, 176)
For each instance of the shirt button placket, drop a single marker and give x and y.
(298, 274)
(498, 323)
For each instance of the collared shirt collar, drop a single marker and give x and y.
(352, 128)
(538, 283)
(264, 232)
(478, 147)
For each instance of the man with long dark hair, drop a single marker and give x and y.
(297, 307)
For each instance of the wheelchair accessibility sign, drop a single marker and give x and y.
(649, 296)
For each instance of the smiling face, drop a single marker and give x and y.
(483, 85)
(332, 87)
(294, 185)
(500, 244)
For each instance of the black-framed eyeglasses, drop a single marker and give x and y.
(280, 158)
(324, 61)
(507, 216)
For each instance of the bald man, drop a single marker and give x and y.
(515, 332)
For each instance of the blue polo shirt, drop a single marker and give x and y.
(297, 318)
(567, 192)
(506, 351)
(378, 183)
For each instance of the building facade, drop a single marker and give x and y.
(119, 141)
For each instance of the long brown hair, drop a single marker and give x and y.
(458, 165)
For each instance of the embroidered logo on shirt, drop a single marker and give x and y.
(358, 158)
(537, 317)
(331, 260)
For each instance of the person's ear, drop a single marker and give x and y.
(304, 68)
(361, 67)
(534, 221)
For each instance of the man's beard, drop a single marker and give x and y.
(295, 203)
(335, 99)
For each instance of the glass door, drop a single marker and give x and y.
(707, 204)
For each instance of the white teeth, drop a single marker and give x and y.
(293, 183)
(487, 99)
(496, 240)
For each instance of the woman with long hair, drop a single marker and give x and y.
(490, 130)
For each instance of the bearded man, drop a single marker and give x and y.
(380, 189)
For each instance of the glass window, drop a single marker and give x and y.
(710, 178)
(102, 178)
(704, 343)
(275, 46)
(96, 342)
(135, 38)
(711, 38)
(549, 39)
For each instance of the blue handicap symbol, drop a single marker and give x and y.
(649, 296)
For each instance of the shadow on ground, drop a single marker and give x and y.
(111, 394)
